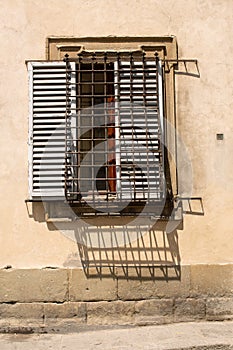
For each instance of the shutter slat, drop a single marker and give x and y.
(49, 88)
(47, 109)
(49, 102)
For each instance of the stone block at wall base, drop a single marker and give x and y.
(33, 285)
(75, 311)
(219, 309)
(190, 309)
(160, 286)
(211, 280)
(63, 285)
(115, 312)
(70, 316)
(68, 297)
(82, 288)
(154, 311)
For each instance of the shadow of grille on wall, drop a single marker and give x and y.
(154, 255)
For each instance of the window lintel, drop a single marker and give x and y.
(56, 47)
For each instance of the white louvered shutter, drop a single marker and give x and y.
(47, 88)
(139, 109)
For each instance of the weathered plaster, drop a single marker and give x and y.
(204, 108)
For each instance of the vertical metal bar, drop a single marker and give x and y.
(133, 133)
(111, 146)
(93, 58)
(117, 125)
(67, 112)
(73, 130)
(146, 126)
(79, 119)
(161, 119)
(30, 127)
(105, 123)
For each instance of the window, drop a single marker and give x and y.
(97, 131)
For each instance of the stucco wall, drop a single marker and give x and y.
(204, 108)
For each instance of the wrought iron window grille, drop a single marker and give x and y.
(114, 132)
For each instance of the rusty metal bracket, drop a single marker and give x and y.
(191, 205)
(182, 66)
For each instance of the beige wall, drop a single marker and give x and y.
(204, 106)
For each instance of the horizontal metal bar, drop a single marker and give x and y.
(180, 60)
(187, 198)
(43, 199)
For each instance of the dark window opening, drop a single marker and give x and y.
(95, 98)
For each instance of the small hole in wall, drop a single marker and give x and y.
(219, 137)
